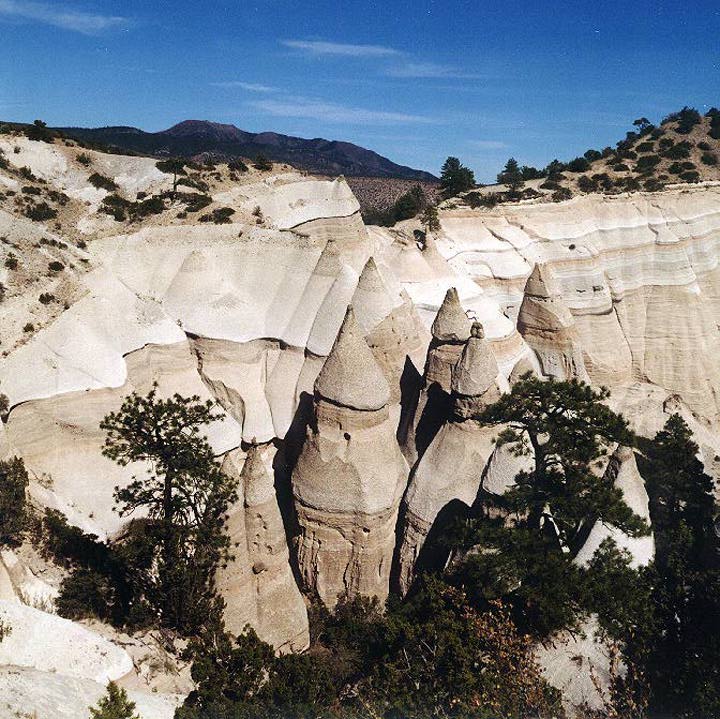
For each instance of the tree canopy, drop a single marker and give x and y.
(184, 493)
(455, 177)
(114, 705)
(511, 175)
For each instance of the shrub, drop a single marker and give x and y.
(653, 185)
(678, 151)
(687, 118)
(82, 245)
(645, 147)
(531, 173)
(646, 163)
(714, 130)
(193, 182)
(116, 206)
(11, 262)
(432, 653)
(56, 266)
(29, 327)
(563, 193)
(195, 202)
(708, 158)
(550, 185)
(585, 184)
(38, 131)
(30, 190)
(4, 406)
(114, 705)
(13, 512)
(592, 155)
(579, 164)
(105, 581)
(46, 298)
(490, 199)
(620, 167)
(151, 206)
(40, 212)
(690, 176)
(60, 197)
(237, 165)
(220, 216)
(262, 163)
(705, 146)
(84, 159)
(102, 182)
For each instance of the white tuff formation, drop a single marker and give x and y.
(349, 477)
(258, 585)
(620, 291)
(447, 478)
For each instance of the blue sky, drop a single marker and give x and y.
(415, 81)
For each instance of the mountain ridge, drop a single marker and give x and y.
(190, 138)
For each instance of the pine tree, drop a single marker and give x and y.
(455, 177)
(184, 493)
(520, 547)
(683, 659)
(114, 705)
(430, 219)
(174, 166)
(566, 428)
(13, 515)
(511, 176)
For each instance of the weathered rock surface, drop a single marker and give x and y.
(582, 666)
(622, 471)
(450, 330)
(350, 476)
(623, 291)
(258, 585)
(547, 325)
(52, 644)
(46, 695)
(447, 478)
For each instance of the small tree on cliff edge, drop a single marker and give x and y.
(174, 166)
(430, 219)
(184, 493)
(455, 177)
(114, 705)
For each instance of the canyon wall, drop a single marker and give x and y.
(348, 362)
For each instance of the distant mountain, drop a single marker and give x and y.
(201, 137)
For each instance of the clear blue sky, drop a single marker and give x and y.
(414, 80)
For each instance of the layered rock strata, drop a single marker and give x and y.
(350, 476)
(548, 327)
